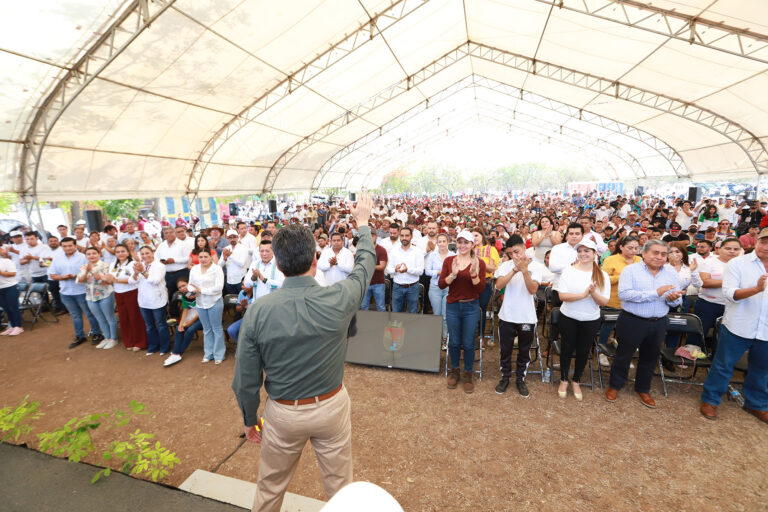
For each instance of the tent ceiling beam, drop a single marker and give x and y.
(683, 27)
(397, 11)
(752, 146)
(127, 27)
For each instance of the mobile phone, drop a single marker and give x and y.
(162, 260)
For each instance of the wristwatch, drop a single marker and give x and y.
(264, 280)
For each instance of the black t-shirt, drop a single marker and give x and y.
(682, 237)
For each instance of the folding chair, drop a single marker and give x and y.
(422, 307)
(609, 317)
(23, 287)
(388, 293)
(35, 299)
(551, 300)
(682, 323)
(555, 346)
(489, 312)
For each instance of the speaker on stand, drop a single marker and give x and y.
(694, 194)
(352, 197)
(94, 220)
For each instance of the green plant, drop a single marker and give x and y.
(16, 421)
(73, 439)
(137, 457)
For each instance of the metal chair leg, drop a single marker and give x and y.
(663, 381)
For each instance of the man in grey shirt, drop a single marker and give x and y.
(297, 337)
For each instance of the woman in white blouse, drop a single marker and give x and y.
(9, 294)
(207, 280)
(433, 267)
(132, 326)
(583, 288)
(153, 299)
(678, 260)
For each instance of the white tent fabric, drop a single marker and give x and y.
(151, 98)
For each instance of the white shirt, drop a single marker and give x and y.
(124, 271)
(269, 270)
(152, 291)
(236, 263)
(40, 251)
(401, 217)
(6, 265)
(683, 219)
(251, 243)
(414, 263)
(598, 239)
(107, 257)
(518, 305)
(748, 317)
(728, 214)
(152, 228)
(177, 251)
(715, 268)
(189, 243)
(210, 284)
(345, 262)
(574, 280)
(561, 257)
(422, 242)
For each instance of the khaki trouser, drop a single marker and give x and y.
(328, 427)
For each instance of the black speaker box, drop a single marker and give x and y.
(352, 197)
(694, 194)
(94, 220)
(234, 210)
(272, 206)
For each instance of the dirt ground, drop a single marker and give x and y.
(430, 447)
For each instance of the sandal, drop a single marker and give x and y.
(577, 391)
(562, 393)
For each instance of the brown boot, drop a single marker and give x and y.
(469, 386)
(453, 378)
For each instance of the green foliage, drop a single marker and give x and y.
(73, 439)
(116, 208)
(16, 421)
(137, 456)
(7, 201)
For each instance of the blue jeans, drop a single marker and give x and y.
(158, 337)
(104, 311)
(183, 339)
(462, 318)
(708, 312)
(9, 301)
(437, 298)
(409, 295)
(234, 329)
(378, 292)
(213, 334)
(76, 306)
(730, 349)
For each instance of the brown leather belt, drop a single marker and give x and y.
(407, 285)
(311, 400)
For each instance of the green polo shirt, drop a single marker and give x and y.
(297, 335)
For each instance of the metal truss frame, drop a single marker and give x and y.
(127, 27)
(683, 27)
(460, 121)
(397, 11)
(752, 146)
(669, 154)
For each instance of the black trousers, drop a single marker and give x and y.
(53, 287)
(633, 333)
(170, 284)
(507, 333)
(576, 336)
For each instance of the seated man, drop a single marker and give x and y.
(244, 299)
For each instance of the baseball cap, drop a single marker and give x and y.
(589, 244)
(674, 225)
(16, 232)
(763, 233)
(468, 236)
(231, 232)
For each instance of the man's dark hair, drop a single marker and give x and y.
(294, 248)
(336, 234)
(61, 226)
(68, 239)
(265, 241)
(575, 225)
(394, 225)
(240, 223)
(406, 228)
(30, 233)
(514, 240)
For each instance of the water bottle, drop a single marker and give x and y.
(547, 375)
(736, 396)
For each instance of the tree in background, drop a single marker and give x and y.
(117, 208)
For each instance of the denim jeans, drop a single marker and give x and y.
(402, 294)
(378, 292)
(76, 306)
(183, 339)
(213, 334)
(9, 301)
(234, 329)
(462, 318)
(158, 337)
(437, 298)
(104, 311)
(729, 351)
(708, 312)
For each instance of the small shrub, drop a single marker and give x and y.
(17, 421)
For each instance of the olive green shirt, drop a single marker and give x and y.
(297, 335)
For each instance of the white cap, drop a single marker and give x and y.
(231, 232)
(589, 244)
(81, 222)
(150, 215)
(466, 235)
(16, 232)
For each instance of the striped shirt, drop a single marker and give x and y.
(637, 290)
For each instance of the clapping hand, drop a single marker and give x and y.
(694, 265)
(138, 267)
(455, 266)
(474, 266)
(664, 289)
(673, 296)
(333, 261)
(521, 262)
(761, 283)
(589, 289)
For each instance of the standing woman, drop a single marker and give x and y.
(126, 296)
(201, 243)
(9, 294)
(678, 260)
(99, 295)
(153, 299)
(624, 254)
(434, 266)
(544, 238)
(463, 276)
(206, 280)
(490, 256)
(583, 288)
(708, 217)
(711, 303)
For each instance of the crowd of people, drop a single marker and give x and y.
(643, 256)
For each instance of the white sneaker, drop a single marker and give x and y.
(205, 360)
(172, 359)
(603, 359)
(111, 343)
(102, 343)
(149, 353)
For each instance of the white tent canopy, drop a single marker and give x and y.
(215, 97)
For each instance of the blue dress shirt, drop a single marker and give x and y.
(637, 290)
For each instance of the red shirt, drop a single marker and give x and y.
(462, 288)
(381, 255)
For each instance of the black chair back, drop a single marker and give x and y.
(552, 297)
(684, 323)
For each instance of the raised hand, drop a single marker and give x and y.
(694, 265)
(362, 210)
(455, 266)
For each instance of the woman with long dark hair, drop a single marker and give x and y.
(201, 244)
(132, 327)
(544, 238)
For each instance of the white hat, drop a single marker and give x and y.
(81, 222)
(466, 235)
(150, 215)
(589, 244)
(231, 232)
(16, 232)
